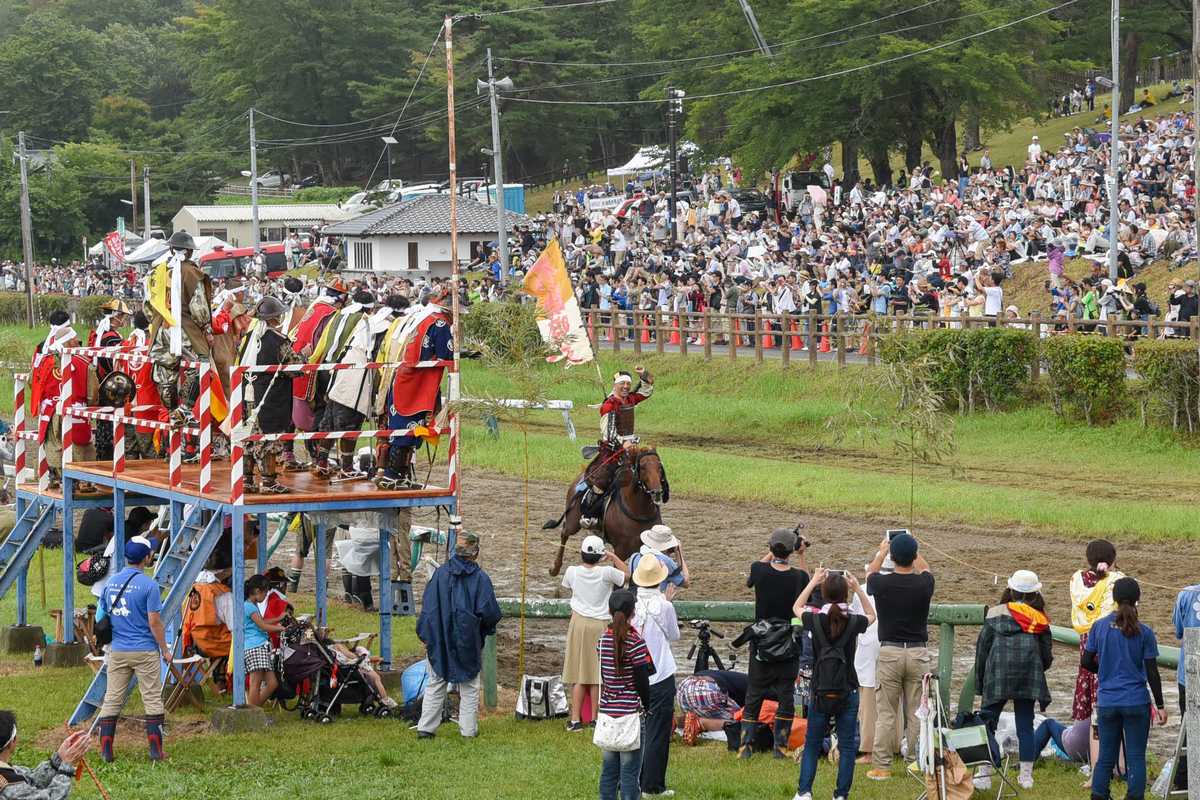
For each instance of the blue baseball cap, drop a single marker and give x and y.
(136, 550)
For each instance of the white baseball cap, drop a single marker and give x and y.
(1024, 581)
(592, 545)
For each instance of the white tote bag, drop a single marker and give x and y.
(618, 734)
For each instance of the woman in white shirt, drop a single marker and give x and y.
(590, 583)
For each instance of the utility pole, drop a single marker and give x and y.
(146, 199)
(253, 184)
(133, 199)
(761, 42)
(674, 110)
(26, 227)
(1196, 122)
(492, 86)
(1114, 158)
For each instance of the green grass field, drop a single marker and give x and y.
(736, 431)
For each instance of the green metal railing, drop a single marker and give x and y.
(947, 617)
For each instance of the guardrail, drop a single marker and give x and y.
(789, 336)
(946, 616)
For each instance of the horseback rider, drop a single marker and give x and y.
(616, 435)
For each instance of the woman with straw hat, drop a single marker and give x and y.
(655, 618)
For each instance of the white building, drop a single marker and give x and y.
(232, 223)
(414, 235)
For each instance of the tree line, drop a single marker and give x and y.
(167, 84)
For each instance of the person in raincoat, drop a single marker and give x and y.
(459, 610)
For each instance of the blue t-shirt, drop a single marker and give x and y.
(1186, 615)
(255, 636)
(1122, 662)
(674, 571)
(131, 616)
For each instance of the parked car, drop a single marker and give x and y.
(273, 180)
(750, 200)
(310, 180)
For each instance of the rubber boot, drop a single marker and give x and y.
(108, 732)
(783, 729)
(746, 746)
(154, 736)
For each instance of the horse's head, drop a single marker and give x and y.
(650, 475)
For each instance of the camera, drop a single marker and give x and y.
(892, 533)
(801, 542)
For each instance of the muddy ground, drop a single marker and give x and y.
(721, 539)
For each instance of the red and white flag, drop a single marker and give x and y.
(115, 247)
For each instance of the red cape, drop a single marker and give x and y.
(305, 335)
(415, 390)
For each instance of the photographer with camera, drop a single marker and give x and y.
(902, 599)
(774, 652)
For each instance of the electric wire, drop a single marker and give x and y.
(810, 79)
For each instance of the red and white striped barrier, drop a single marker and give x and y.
(118, 435)
(304, 368)
(20, 383)
(206, 377)
(317, 435)
(105, 413)
(134, 355)
(237, 452)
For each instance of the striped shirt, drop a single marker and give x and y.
(618, 697)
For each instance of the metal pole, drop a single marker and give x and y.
(389, 158)
(26, 227)
(498, 175)
(132, 197)
(146, 198)
(674, 160)
(253, 185)
(1114, 158)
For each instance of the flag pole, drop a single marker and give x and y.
(455, 325)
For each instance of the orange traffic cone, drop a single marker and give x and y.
(675, 331)
(646, 334)
(768, 339)
(797, 342)
(825, 348)
(866, 339)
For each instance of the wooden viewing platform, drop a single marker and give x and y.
(306, 487)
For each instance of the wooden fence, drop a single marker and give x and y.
(806, 336)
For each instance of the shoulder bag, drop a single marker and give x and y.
(618, 734)
(103, 630)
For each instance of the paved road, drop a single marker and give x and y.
(605, 347)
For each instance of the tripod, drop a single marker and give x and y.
(702, 650)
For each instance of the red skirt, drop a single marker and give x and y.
(1085, 688)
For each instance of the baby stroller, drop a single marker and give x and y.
(320, 684)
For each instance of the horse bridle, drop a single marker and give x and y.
(636, 470)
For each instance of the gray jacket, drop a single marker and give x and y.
(51, 780)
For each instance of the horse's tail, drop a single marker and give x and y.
(551, 524)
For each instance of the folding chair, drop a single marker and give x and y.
(189, 675)
(972, 746)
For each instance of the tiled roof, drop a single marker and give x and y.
(425, 214)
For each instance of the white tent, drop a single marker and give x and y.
(150, 252)
(649, 159)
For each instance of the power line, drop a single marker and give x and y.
(688, 59)
(798, 81)
(482, 14)
(411, 92)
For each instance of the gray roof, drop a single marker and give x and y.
(425, 214)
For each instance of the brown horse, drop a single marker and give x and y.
(639, 486)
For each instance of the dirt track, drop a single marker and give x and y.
(720, 540)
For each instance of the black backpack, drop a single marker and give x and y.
(831, 673)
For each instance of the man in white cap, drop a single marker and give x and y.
(616, 433)
(660, 542)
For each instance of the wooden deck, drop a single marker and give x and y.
(306, 488)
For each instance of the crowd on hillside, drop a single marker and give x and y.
(919, 246)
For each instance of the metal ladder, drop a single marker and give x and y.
(176, 571)
(1180, 751)
(22, 542)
